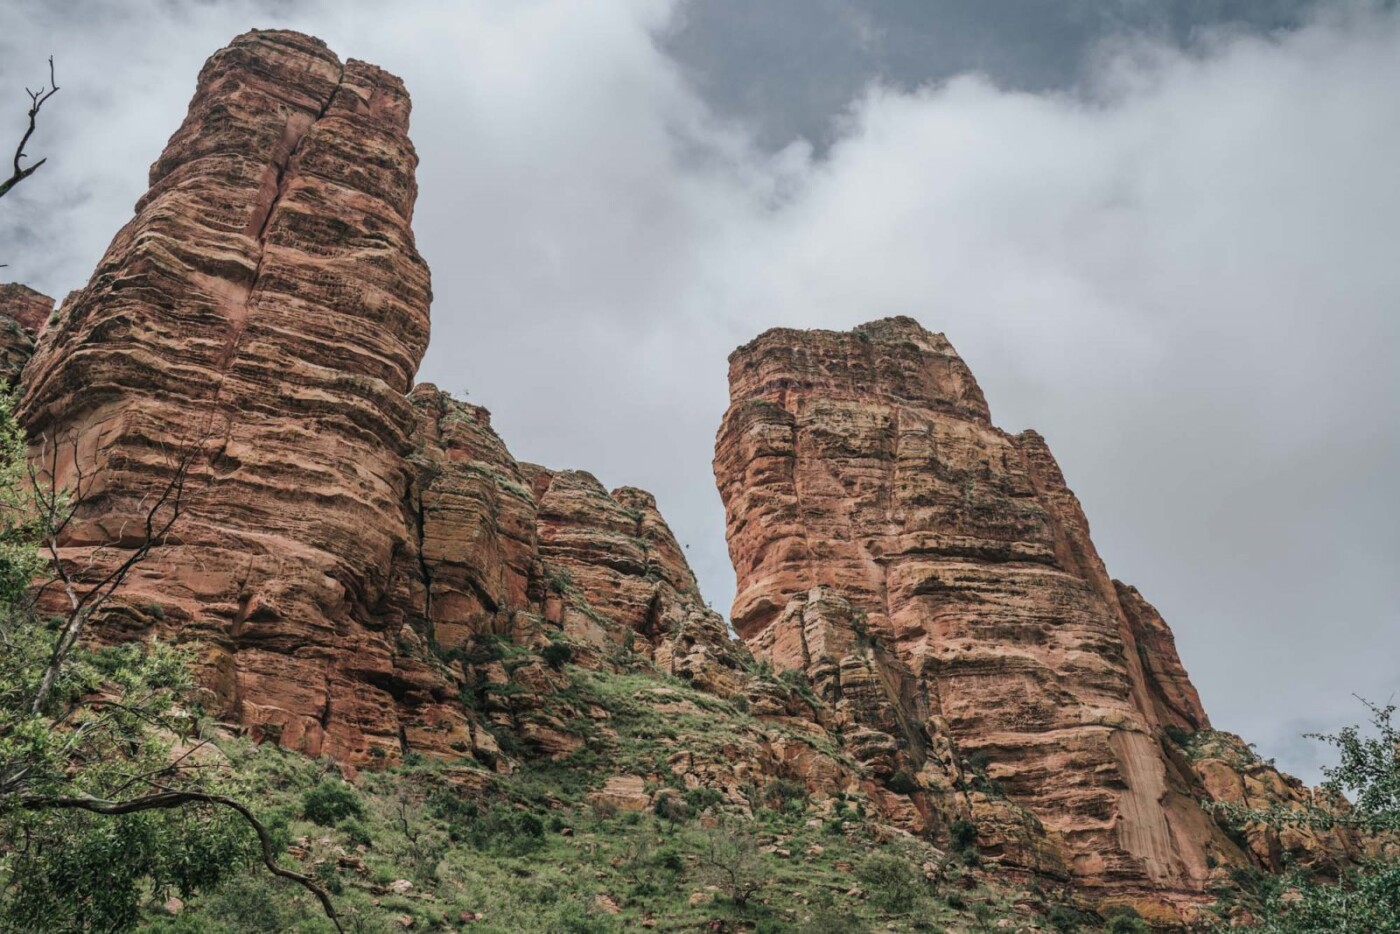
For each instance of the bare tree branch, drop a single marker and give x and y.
(37, 99)
(166, 799)
(56, 511)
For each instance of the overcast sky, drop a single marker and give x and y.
(1167, 235)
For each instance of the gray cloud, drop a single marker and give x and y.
(786, 67)
(1178, 265)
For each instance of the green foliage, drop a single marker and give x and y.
(497, 828)
(893, 883)
(783, 795)
(1369, 771)
(356, 832)
(66, 869)
(86, 872)
(672, 807)
(702, 798)
(1065, 919)
(19, 519)
(963, 837)
(902, 783)
(1366, 898)
(560, 581)
(557, 654)
(330, 802)
(1126, 921)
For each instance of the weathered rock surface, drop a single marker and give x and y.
(29, 308)
(266, 306)
(934, 578)
(23, 313)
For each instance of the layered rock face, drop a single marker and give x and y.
(348, 547)
(266, 310)
(23, 314)
(345, 543)
(935, 578)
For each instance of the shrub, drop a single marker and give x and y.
(783, 795)
(328, 877)
(1064, 918)
(331, 802)
(671, 807)
(902, 783)
(557, 654)
(963, 836)
(499, 829)
(894, 884)
(701, 798)
(1125, 921)
(355, 831)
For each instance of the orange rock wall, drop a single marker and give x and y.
(866, 464)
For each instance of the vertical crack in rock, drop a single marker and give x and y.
(271, 267)
(240, 309)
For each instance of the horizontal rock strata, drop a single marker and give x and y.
(935, 578)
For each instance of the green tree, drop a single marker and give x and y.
(1365, 900)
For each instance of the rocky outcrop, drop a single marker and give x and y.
(348, 548)
(30, 309)
(265, 308)
(863, 468)
(23, 314)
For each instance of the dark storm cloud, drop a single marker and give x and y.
(1176, 261)
(788, 67)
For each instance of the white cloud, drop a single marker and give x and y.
(1186, 281)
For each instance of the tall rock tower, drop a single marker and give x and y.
(870, 500)
(266, 306)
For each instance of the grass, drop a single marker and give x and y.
(427, 845)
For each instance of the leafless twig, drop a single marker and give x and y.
(37, 99)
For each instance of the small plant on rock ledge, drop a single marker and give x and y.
(557, 654)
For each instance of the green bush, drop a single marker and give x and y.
(963, 836)
(1126, 921)
(894, 884)
(331, 802)
(701, 798)
(902, 783)
(783, 795)
(671, 807)
(1064, 918)
(498, 829)
(355, 831)
(557, 654)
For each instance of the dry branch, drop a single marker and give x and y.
(37, 99)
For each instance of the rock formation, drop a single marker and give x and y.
(23, 313)
(267, 307)
(935, 579)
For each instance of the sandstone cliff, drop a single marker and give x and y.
(934, 577)
(265, 305)
(356, 557)
(23, 314)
